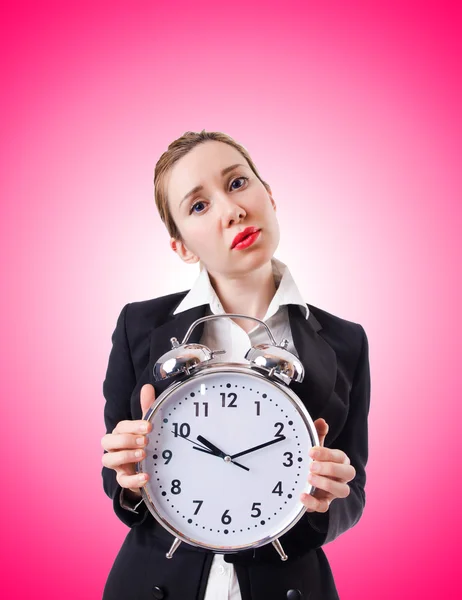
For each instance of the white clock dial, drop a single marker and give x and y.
(247, 494)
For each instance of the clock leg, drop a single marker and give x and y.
(174, 546)
(280, 550)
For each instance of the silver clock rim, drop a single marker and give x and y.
(228, 367)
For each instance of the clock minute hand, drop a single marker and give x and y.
(279, 439)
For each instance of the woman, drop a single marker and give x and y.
(208, 191)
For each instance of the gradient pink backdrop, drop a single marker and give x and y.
(352, 113)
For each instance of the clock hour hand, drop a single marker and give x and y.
(212, 447)
(275, 441)
(216, 452)
(202, 449)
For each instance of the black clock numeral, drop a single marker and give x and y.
(200, 502)
(257, 402)
(278, 488)
(225, 518)
(167, 454)
(255, 506)
(290, 459)
(279, 433)
(232, 404)
(176, 486)
(197, 410)
(184, 430)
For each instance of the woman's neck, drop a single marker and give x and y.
(248, 294)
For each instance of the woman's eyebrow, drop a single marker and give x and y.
(198, 188)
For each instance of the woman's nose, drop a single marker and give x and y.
(231, 211)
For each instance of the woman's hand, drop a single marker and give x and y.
(125, 446)
(330, 473)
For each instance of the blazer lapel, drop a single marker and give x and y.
(317, 390)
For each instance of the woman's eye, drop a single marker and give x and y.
(238, 178)
(191, 210)
(195, 204)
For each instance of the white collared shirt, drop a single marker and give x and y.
(225, 334)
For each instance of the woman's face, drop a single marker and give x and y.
(209, 218)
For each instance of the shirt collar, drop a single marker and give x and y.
(287, 292)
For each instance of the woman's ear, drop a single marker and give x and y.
(186, 255)
(271, 197)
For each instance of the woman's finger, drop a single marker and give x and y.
(334, 455)
(337, 471)
(315, 504)
(336, 488)
(137, 426)
(128, 480)
(117, 458)
(322, 429)
(120, 441)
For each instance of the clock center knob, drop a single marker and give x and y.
(227, 459)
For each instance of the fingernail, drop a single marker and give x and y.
(143, 427)
(138, 452)
(316, 467)
(142, 477)
(140, 441)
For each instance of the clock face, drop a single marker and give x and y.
(210, 481)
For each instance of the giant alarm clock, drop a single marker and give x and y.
(228, 454)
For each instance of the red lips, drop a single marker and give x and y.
(243, 234)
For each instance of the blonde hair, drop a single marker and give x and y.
(176, 150)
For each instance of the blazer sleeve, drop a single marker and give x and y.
(118, 386)
(344, 513)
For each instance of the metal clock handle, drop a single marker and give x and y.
(232, 316)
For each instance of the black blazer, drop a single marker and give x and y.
(336, 386)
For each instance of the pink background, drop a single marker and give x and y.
(352, 113)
